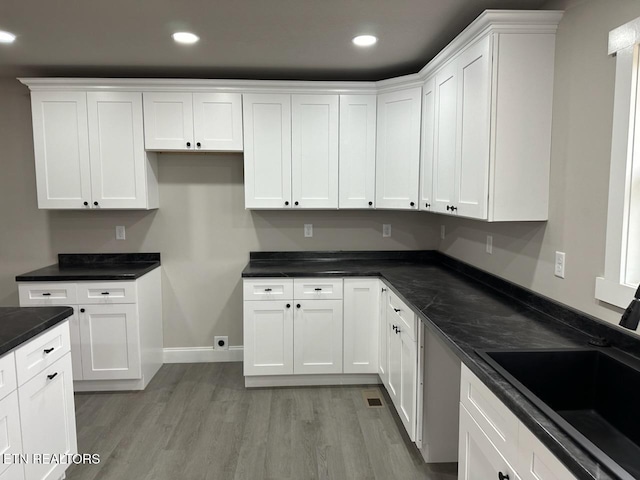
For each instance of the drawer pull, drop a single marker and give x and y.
(502, 476)
(318, 289)
(48, 350)
(46, 294)
(267, 289)
(53, 375)
(396, 310)
(104, 293)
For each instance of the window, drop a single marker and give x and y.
(622, 256)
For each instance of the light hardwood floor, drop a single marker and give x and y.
(198, 422)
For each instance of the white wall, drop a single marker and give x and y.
(582, 118)
(201, 229)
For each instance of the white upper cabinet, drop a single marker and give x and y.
(357, 151)
(198, 121)
(444, 145)
(267, 150)
(314, 129)
(89, 151)
(61, 148)
(217, 121)
(427, 146)
(398, 149)
(118, 159)
(474, 109)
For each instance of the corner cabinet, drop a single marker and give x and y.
(398, 149)
(179, 121)
(89, 151)
(486, 138)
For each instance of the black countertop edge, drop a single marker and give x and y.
(583, 326)
(333, 255)
(87, 259)
(20, 324)
(94, 266)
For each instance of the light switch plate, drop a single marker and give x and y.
(308, 230)
(386, 229)
(120, 233)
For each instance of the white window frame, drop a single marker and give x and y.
(624, 43)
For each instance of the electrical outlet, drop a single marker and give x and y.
(386, 230)
(221, 343)
(308, 230)
(489, 244)
(442, 232)
(120, 232)
(558, 271)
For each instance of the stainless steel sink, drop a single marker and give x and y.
(592, 394)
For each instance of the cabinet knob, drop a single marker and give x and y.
(298, 306)
(453, 209)
(95, 203)
(52, 376)
(286, 203)
(48, 350)
(198, 145)
(396, 310)
(412, 204)
(370, 203)
(448, 207)
(384, 289)
(188, 144)
(502, 476)
(295, 203)
(427, 205)
(82, 310)
(288, 305)
(86, 203)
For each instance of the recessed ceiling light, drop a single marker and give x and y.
(364, 40)
(185, 37)
(6, 37)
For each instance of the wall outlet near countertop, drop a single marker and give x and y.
(489, 248)
(558, 270)
(386, 229)
(308, 230)
(120, 232)
(442, 232)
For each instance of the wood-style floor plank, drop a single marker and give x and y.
(198, 422)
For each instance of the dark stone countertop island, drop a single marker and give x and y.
(94, 266)
(20, 324)
(469, 310)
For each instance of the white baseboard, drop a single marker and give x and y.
(202, 355)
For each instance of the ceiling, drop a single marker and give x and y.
(254, 39)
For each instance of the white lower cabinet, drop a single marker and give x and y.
(317, 337)
(268, 337)
(493, 441)
(116, 329)
(10, 435)
(479, 458)
(361, 318)
(47, 416)
(383, 362)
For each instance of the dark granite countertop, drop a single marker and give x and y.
(469, 310)
(20, 324)
(87, 267)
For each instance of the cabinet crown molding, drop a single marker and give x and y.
(490, 21)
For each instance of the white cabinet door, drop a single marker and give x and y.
(394, 358)
(47, 417)
(217, 120)
(267, 150)
(536, 461)
(116, 146)
(478, 458)
(398, 149)
(474, 117)
(357, 151)
(314, 150)
(61, 149)
(168, 121)
(361, 323)
(383, 362)
(110, 342)
(408, 383)
(427, 144)
(10, 436)
(445, 145)
(317, 337)
(268, 337)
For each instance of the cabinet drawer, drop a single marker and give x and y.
(495, 419)
(8, 379)
(536, 461)
(42, 351)
(107, 292)
(54, 293)
(268, 289)
(404, 316)
(317, 288)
